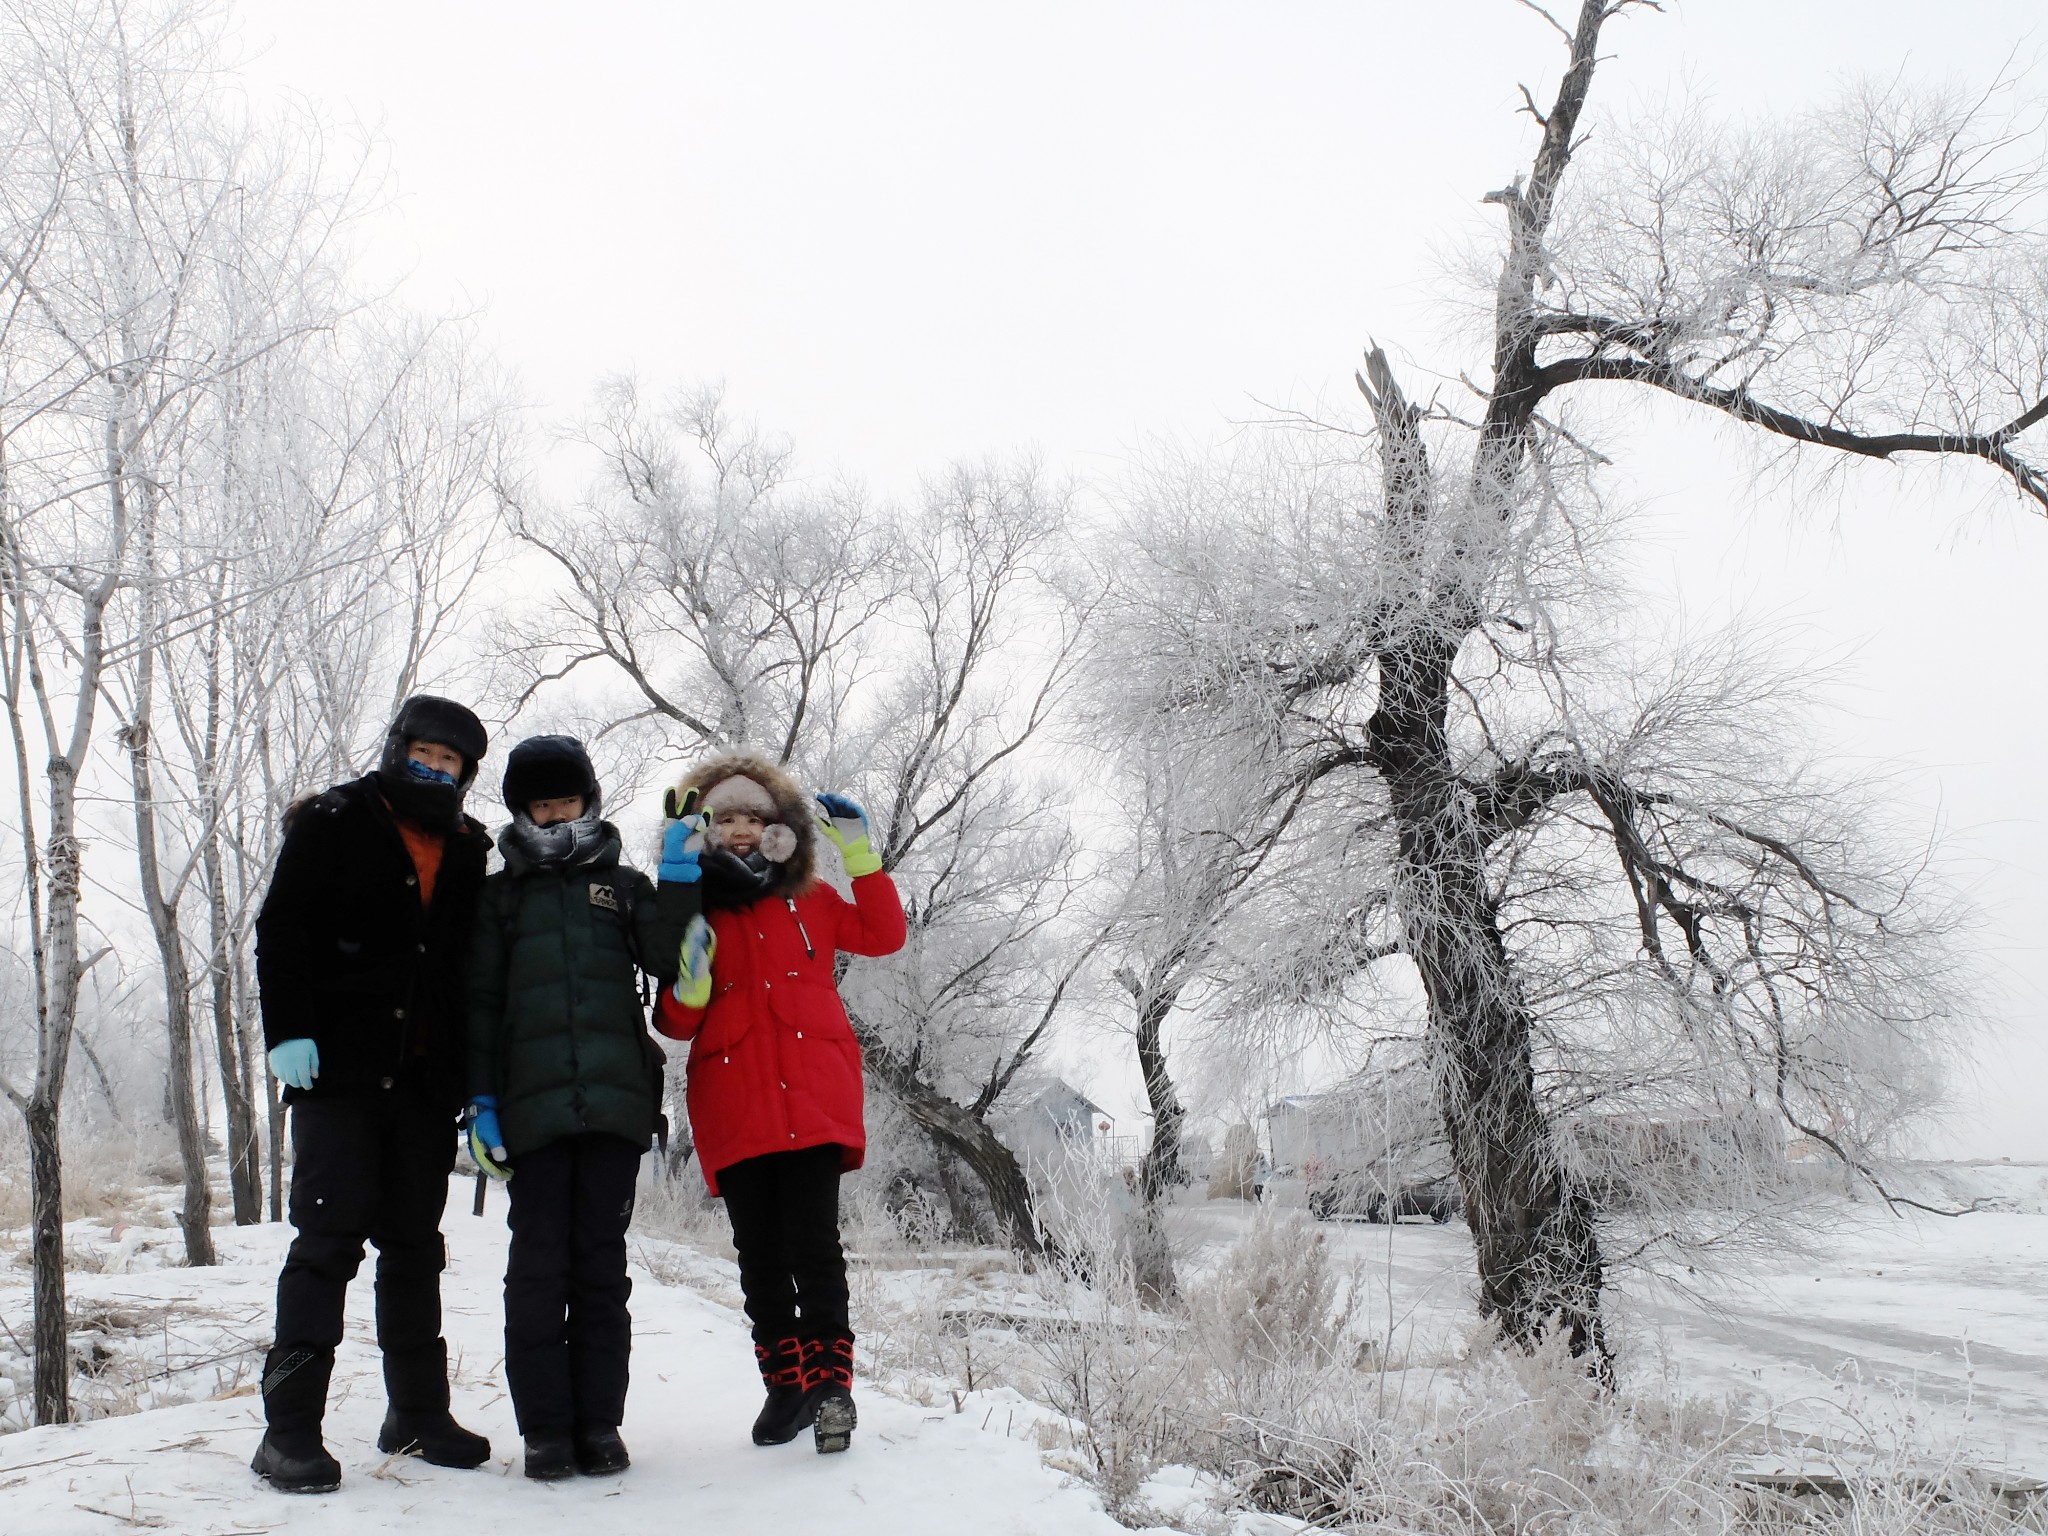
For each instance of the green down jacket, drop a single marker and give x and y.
(557, 1033)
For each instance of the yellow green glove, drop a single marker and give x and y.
(693, 972)
(847, 825)
(486, 1141)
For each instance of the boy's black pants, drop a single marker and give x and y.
(368, 1167)
(568, 1334)
(784, 1209)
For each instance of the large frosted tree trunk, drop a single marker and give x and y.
(1535, 1240)
(1534, 1237)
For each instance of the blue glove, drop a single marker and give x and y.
(847, 825)
(682, 850)
(295, 1063)
(486, 1141)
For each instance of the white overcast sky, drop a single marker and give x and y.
(903, 232)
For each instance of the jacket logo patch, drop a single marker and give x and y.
(604, 896)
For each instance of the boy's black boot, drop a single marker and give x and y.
(292, 1457)
(785, 1414)
(600, 1452)
(828, 1377)
(434, 1438)
(418, 1422)
(550, 1456)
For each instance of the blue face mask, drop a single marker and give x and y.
(420, 770)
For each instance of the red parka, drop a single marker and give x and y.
(774, 1066)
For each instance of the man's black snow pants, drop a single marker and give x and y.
(568, 1334)
(784, 1209)
(370, 1167)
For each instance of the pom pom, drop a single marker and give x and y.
(777, 843)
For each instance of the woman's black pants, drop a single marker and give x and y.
(784, 1209)
(568, 1334)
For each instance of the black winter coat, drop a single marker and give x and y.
(558, 1033)
(345, 955)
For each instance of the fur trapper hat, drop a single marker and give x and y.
(741, 780)
(428, 717)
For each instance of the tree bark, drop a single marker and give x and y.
(196, 1218)
(1159, 1173)
(245, 1169)
(1534, 1236)
(52, 1386)
(969, 1138)
(275, 1104)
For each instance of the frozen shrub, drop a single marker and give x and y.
(1118, 1371)
(1274, 1305)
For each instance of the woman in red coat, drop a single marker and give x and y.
(774, 1074)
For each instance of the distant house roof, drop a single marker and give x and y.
(1301, 1101)
(1029, 1092)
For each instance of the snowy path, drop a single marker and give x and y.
(184, 1469)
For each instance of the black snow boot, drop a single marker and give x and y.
(785, 1414)
(828, 1394)
(434, 1438)
(550, 1457)
(600, 1452)
(292, 1457)
(418, 1423)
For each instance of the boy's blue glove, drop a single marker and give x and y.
(486, 1141)
(847, 825)
(682, 850)
(295, 1063)
(693, 972)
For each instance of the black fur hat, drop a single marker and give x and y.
(427, 717)
(548, 768)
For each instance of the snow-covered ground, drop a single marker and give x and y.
(1942, 1320)
(184, 1468)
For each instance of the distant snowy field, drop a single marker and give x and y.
(1943, 1320)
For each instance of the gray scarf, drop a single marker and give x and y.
(563, 845)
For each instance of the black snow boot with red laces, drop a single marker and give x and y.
(828, 1391)
(786, 1413)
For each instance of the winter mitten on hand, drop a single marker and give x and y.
(682, 849)
(847, 825)
(295, 1063)
(693, 971)
(486, 1141)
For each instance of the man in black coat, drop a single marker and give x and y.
(362, 957)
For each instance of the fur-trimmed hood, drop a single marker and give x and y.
(799, 871)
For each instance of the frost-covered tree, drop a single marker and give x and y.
(987, 637)
(707, 596)
(1611, 876)
(226, 484)
(702, 590)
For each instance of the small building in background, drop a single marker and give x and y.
(1045, 1120)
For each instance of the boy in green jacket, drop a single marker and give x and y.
(566, 1089)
